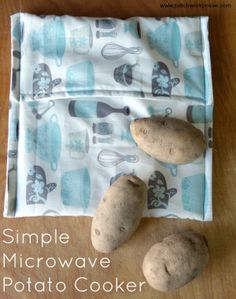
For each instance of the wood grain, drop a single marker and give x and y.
(218, 279)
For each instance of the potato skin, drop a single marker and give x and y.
(168, 139)
(175, 261)
(119, 213)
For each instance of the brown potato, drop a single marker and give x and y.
(175, 261)
(119, 213)
(168, 139)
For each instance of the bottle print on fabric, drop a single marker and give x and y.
(93, 109)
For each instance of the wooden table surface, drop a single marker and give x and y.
(218, 279)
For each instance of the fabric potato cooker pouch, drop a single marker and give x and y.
(76, 85)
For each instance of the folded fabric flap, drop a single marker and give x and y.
(76, 84)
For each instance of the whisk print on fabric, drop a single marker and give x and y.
(112, 51)
(110, 158)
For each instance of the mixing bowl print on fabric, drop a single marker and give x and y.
(158, 194)
(81, 38)
(196, 84)
(80, 79)
(49, 39)
(194, 42)
(162, 83)
(193, 193)
(42, 81)
(37, 188)
(166, 40)
(75, 188)
(45, 141)
(199, 113)
(78, 144)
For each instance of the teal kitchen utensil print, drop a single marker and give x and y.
(133, 27)
(114, 178)
(43, 109)
(194, 42)
(210, 137)
(159, 111)
(15, 73)
(12, 154)
(171, 167)
(51, 213)
(193, 193)
(162, 83)
(12, 189)
(106, 23)
(112, 51)
(76, 188)
(49, 39)
(110, 158)
(93, 109)
(158, 194)
(45, 141)
(13, 131)
(102, 128)
(37, 188)
(80, 79)
(110, 33)
(123, 74)
(125, 135)
(106, 28)
(97, 139)
(196, 84)
(42, 81)
(166, 40)
(81, 39)
(199, 113)
(18, 30)
(78, 144)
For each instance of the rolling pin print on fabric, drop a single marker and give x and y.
(93, 109)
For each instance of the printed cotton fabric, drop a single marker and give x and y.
(76, 84)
